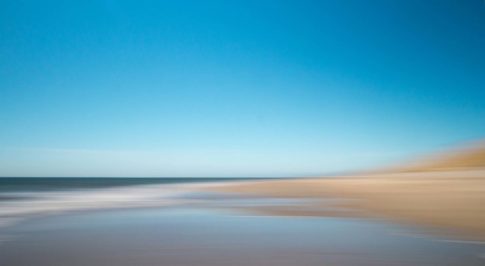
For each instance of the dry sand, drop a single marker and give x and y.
(448, 193)
(453, 199)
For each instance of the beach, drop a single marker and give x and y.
(444, 192)
(200, 228)
(451, 200)
(404, 216)
(245, 222)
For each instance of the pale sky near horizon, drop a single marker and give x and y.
(235, 88)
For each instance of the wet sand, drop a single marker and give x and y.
(205, 236)
(450, 200)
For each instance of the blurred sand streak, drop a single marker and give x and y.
(441, 193)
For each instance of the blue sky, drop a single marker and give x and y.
(235, 88)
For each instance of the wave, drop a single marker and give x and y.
(22, 205)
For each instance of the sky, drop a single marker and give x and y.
(235, 88)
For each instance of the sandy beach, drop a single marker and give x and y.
(251, 222)
(442, 192)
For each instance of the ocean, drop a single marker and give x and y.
(16, 184)
(26, 197)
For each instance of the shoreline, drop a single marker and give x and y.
(65, 201)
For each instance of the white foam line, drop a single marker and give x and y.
(119, 197)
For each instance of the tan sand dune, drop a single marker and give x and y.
(468, 157)
(444, 193)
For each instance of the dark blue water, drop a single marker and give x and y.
(11, 184)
